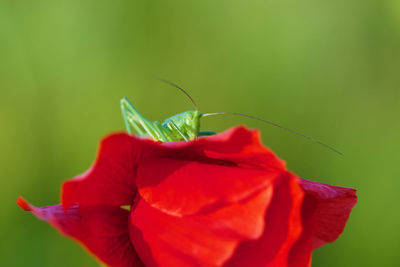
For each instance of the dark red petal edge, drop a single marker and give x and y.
(103, 230)
(300, 253)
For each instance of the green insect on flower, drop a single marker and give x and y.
(184, 126)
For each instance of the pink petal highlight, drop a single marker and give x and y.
(333, 205)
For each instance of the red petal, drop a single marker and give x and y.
(331, 206)
(103, 230)
(111, 179)
(207, 239)
(282, 229)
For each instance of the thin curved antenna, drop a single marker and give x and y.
(180, 88)
(276, 125)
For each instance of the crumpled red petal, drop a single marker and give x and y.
(225, 199)
(103, 230)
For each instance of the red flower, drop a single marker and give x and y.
(224, 200)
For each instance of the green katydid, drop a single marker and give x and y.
(184, 126)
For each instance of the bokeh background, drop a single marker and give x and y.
(329, 69)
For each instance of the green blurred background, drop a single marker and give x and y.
(329, 69)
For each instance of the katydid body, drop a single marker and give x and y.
(184, 126)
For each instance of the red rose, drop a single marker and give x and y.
(224, 200)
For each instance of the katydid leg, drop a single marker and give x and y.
(133, 118)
